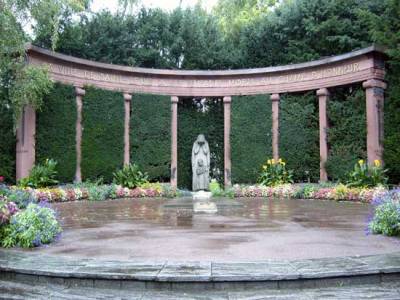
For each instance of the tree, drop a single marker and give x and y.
(21, 84)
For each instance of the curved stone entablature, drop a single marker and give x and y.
(356, 66)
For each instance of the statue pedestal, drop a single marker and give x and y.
(201, 195)
(202, 203)
(206, 207)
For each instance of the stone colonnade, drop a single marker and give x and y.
(374, 107)
(364, 66)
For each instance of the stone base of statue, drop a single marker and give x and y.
(201, 195)
(205, 207)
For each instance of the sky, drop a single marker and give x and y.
(111, 5)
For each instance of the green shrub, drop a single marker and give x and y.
(386, 219)
(367, 176)
(274, 173)
(99, 192)
(216, 189)
(41, 175)
(32, 227)
(130, 176)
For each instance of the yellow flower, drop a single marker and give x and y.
(264, 167)
(280, 160)
(283, 163)
(272, 161)
(361, 162)
(269, 161)
(377, 163)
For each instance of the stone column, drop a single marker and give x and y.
(323, 97)
(374, 90)
(174, 141)
(25, 148)
(275, 98)
(127, 100)
(227, 141)
(79, 93)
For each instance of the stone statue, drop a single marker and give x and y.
(201, 164)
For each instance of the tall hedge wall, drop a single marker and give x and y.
(103, 133)
(251, 138)
(150, 135)
(55, 131)
(103, 121)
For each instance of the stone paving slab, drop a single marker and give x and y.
(249, 271)
(185, 271)
(59, 266)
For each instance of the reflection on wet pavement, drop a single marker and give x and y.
(245, 229)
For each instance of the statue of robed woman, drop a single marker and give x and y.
(201, 164)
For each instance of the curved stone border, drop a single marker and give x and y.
(31, 267)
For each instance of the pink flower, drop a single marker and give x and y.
(1, 178)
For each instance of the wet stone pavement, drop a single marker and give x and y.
(247, 229)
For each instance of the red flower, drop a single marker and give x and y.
(1, 178)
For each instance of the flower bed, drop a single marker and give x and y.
(99, 192)
(309, 191)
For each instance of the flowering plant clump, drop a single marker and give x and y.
(309, 191)
(7, 210)
(367, 176)
(274, 173)
(31, 227)
(386, 218)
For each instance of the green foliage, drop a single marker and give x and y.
(386, 219)
(32, 83)
(103, 134)
(150, 135)
(275, 173)
(31, 227)
(367, 176)
(215, 188)
(28, 84)
(7, 144)
(251, 139)
(41, 175)
(347, 131)
(299, 135)
(198, 116)
(55, 131)
(99, 192)
(130, 176)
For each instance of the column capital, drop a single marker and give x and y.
(323, 92)
(372, 83)
(174, 99)
(275, 97)
(227, 99)
(80, 91)
(127, 96)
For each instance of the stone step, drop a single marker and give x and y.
(18, 290)
(25, 267)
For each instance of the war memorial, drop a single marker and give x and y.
(184, 204)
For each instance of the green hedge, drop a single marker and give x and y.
(150, 135)
(103, 133)
(299, 135)
(251, 137)
(347, 133)
(103, 121)
(7, 144)
(55, 131)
